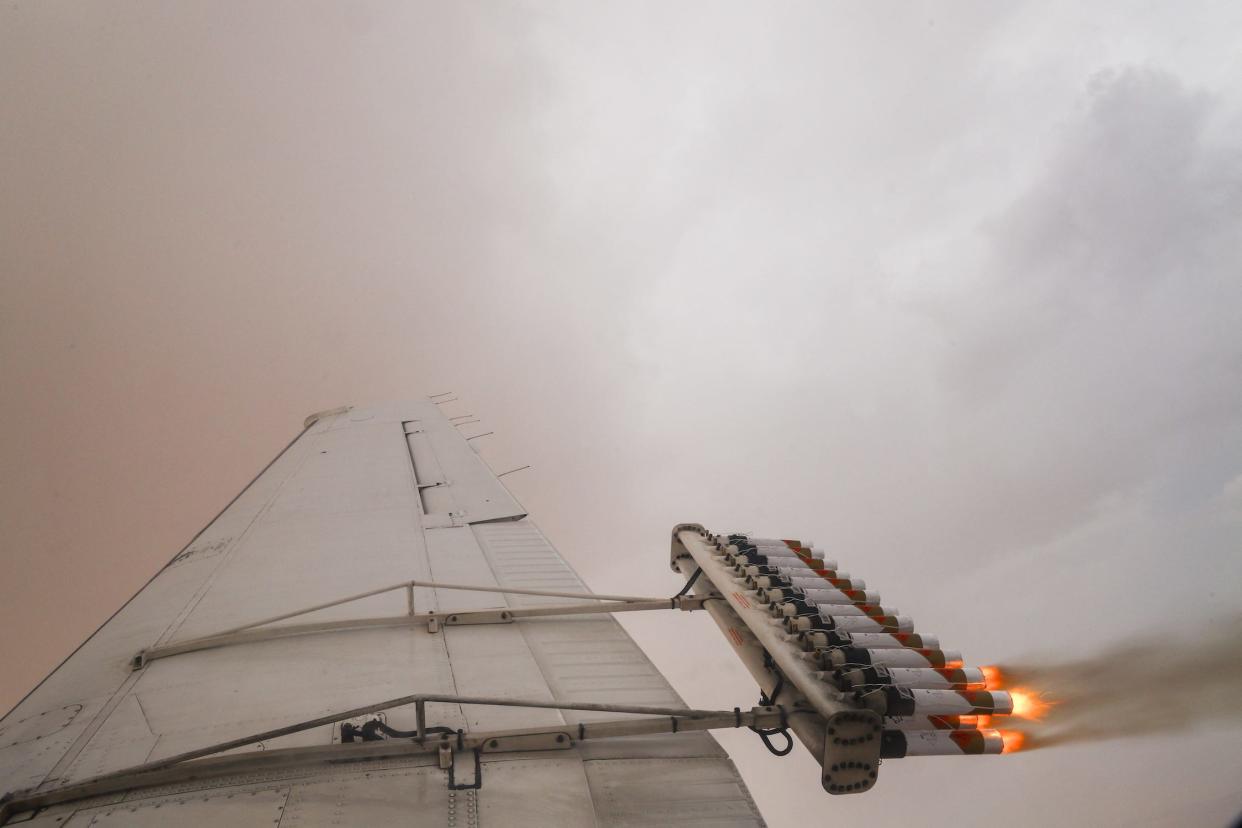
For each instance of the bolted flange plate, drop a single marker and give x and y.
(852, 752)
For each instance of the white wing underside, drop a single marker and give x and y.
(360, 500)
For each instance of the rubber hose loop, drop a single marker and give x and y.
(766, 737)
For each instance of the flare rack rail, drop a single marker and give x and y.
(816, 641)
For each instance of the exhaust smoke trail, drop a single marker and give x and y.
(1134, 689)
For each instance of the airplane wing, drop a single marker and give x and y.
(312, 658)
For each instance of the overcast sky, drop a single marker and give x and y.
(951, 290)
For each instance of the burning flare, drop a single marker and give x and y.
(1027, 704)
(1131, 689)
(1014, 740)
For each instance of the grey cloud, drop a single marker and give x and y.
(1099, 340)
(924, 286)
(1005, 385)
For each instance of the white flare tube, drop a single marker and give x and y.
(938, 678)
(903, 701)
(769, 551)
(725, 540)
(896, 744)
(803, 579)
(931, 722)
(835, 610)
(784, 556)
(820, 595)
(797, 573)
(924, 678)
(790, 607)
(851, 624)
(786, 566)
(829, 639)
(905, 657)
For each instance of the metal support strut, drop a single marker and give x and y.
(261, 631)
(205, 763)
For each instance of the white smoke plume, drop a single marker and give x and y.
(1159, 684)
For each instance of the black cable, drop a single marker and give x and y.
(370, 731)
(411, 734)
(767, 701)
(766, 736)
(771, 667)
(689, 583)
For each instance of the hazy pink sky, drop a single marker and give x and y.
(951, 290)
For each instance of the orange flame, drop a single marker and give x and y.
(1028, 705)
(1014, 740)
